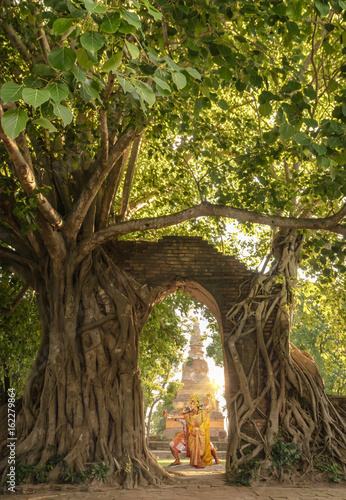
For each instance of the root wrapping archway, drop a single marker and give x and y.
(218, 281)
(271, 387)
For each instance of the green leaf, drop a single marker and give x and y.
(131, 18)
(265, 109)
(35, 97)
(163, 92)
(13, 122)
(64, 113)
(309, 91)
(286, 131)
(152, 11)
(171, 64)
(83, 59)
(240, 86)
(320, 149)
(179, 79)
(291, 86)
(342, 4)
(334, 141)
(256, 80)
(125, 84)
(133, 50)
(161, 83)
(91, 90)
(111, 23)
(78, 73)
(11, 92)
(62, 25)
(58, 91)
(126, 28)
(41, 69)
(226, 74)
(323, 8)
(270, 137)
(62, 59)
(93, 8)
(337, 127)
(145, 92)
(92, 40)
(45, 124)
(223, 104)
(32, 82)
(310, 122)
(113, 62)
(194, 73)
(323, 161)
(302, 139)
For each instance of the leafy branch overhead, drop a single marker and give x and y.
(240, 110)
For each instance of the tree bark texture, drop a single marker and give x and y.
(83, 400)
(279, 393)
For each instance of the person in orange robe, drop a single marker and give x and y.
(197, 420)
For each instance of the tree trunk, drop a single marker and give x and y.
(83, 400)
(281, 391)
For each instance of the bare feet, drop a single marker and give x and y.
(176, 462)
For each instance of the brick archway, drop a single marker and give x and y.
(255, 347)
(196, 267)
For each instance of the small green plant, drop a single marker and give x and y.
(243, 475)
(334, 474)
(69, 476)
(23, 471)
(41, 473)
(285, 454)
(100, 472)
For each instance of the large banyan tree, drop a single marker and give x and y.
(119, 119)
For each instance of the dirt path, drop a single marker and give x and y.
(190, 485)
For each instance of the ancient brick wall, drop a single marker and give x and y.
(196, 267)
(189, 264)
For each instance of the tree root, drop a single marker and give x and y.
(286, 387)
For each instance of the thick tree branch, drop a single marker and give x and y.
(109, 87)
(317, 45)
(23, 143)
(62, 185)
(53, 241)
(23, 271)
(9, 237)
(136, 205)
(208, 210)
(16, 42)
(91, 188)
(129, 177)
(112, 184)
(12, 256)
(28, 181)
(104, 137)
(44, 45)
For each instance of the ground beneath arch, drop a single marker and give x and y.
(190, 485)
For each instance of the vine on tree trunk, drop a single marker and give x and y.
(283, 387)
(83, 402)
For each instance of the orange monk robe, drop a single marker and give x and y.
(199, 438)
